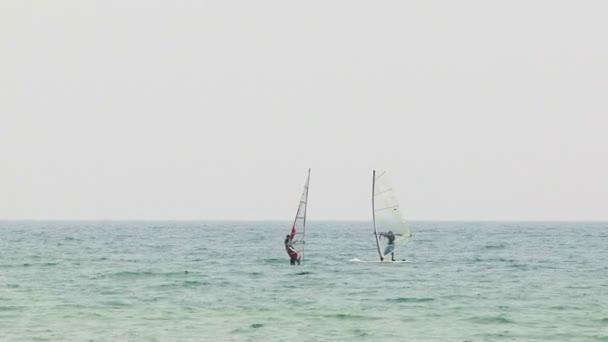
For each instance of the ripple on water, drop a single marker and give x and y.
(343, 316)
(490, 320)
(142, 274)
(410, 299)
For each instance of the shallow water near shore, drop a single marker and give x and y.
(231, 281)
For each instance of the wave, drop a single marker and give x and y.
(12, 308)
(498, 246)
(352, 317)
(360, 333)
(491, 320)
(193, 283)
(116, 304)
(142, 274)
(276, 260)
(410, 300)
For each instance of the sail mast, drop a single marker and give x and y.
(374, 214)
(305, 208)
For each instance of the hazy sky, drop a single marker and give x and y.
(215, 110)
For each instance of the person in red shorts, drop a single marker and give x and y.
(293, 254)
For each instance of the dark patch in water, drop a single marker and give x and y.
(276, 261)
(257, 325)
(192, 283)
(491, 320)
(303, 273)
(410, 300)
(142, 274)
(51, 264)
(360, 333)
(11, 308)
(499, 246)
(116, 304)
(352, 317)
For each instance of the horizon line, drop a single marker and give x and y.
(288, 220)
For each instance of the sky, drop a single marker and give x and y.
(479, 110)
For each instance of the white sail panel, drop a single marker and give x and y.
(387, 215)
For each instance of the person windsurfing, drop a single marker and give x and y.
(294, 256)
(390, 247)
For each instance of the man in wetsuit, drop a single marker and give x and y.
(293, 254)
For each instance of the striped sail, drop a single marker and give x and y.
(298, 229)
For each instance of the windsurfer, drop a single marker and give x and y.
(390, 246)
(293, 254)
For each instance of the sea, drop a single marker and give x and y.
(232, 281)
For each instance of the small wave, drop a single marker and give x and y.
(352, 317)
(192, 283)
(276, 260)
(491, 320)
(11, 308)
(184, 284)
(578, 287)
(360, 333)
(257, 325)
(498, 246)
(303, 273)
(141, 274)
(410, 300)
(564, 307)
(604, 320)
(116, 304)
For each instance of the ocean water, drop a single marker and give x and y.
(231, 281)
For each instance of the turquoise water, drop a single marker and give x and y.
(231, 281)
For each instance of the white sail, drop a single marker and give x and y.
(387, 215)
(298, 229)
